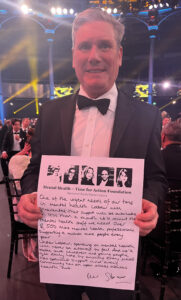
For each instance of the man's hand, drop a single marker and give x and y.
(28, 210)
(17, 137)
(147, 220)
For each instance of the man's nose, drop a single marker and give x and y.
(94, 55)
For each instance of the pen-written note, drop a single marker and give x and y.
(87, 234)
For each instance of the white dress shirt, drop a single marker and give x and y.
(16, 144)
(92, 131)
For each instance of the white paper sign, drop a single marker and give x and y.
(87, 234)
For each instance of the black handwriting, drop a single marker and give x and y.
(92, 276)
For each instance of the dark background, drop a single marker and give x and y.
(24, 54)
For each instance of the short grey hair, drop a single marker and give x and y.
(97, 14)
(172, 131)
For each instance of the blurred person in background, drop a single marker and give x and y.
(13, 142)
(25, 124)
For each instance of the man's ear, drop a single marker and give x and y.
(120, 55)
(73, 65)
(162, 140)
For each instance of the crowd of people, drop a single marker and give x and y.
(15, 138)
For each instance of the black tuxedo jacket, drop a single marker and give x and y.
(9, 141)
(136, 134)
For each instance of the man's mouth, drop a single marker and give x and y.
(95, 71)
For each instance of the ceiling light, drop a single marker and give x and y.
(109, 10)
(59, 11)
(71, 11)
(65, 11)
(166, 84)
(53, 11)
(115, 11)
(25, 9)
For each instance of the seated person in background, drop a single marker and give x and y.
(19, 162)
(17, 165)
(27, 148)
(171, 144)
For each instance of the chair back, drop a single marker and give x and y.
(14, 194)
(173, 220)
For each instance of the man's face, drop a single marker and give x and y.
(26, 122)
(104, 175)
(96, 57)
(16, 126)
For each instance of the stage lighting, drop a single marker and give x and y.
(150, 7)
(53, 11)
(173, 102)
(109, 10)
(167, 4)
(115, 11)
(25, 9)
(155, 5)
(71, 11)
(59, 11)
(65, 11)
(166, 84)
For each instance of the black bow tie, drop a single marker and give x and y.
(101, 104)
(16, 132)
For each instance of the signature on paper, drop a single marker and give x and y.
(92, 276)
(109, 276)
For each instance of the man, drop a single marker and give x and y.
(171, 143)
(97, 56)
(6, 127)
(71, 177)
(25, 124)
(13, 142)
(104, 179)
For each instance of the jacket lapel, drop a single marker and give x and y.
(67, 112)
(124, 112)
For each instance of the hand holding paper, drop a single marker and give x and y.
(28, 210)
(147, 220)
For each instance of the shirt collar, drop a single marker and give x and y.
(112, 94)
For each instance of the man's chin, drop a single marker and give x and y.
(95, 89)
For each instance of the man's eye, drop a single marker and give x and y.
(104, 46)
(84, 46)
